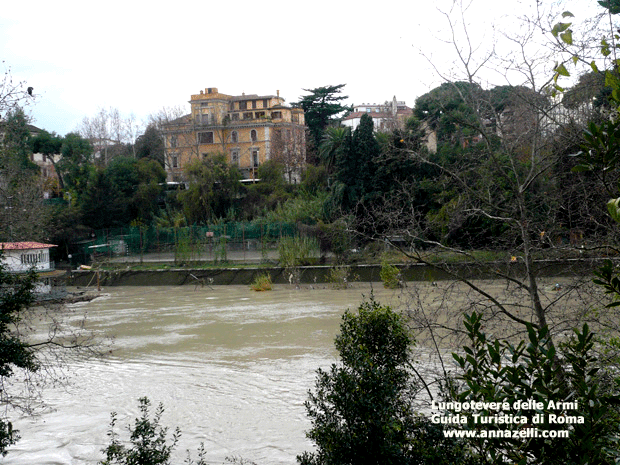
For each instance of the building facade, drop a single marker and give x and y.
(21, 257)
(387, 117)
(247, 129)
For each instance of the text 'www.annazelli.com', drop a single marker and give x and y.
(524, 433)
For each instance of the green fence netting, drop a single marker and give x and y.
(140, 240)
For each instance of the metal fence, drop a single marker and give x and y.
(239, 240)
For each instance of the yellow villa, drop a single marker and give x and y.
(247, 129)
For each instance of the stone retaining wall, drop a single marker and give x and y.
(319, 274)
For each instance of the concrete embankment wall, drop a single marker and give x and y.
(320, 274)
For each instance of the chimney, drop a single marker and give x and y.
(278, 93)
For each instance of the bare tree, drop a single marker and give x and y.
(506, 182)
(109, 128)
(13, 93)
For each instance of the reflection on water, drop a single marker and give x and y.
(231, 366)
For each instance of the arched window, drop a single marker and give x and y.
(253, 136)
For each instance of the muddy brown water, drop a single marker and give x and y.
(231, 366)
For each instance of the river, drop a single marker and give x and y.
(231, 366)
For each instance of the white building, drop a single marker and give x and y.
(386, 117)
(21, 257)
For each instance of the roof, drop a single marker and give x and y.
(24, 245)
(377, 114)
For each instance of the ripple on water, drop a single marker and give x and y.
(231, 367)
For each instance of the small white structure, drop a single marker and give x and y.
(21, 257)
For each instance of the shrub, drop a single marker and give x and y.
(390, 275)
(149, 445)
(297, 251)
(340, 276)
(262, 282)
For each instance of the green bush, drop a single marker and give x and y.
(339, 276)
(496, 371)
(390, 275)
(262, 282)
(297, 251)
(361, 410)
(149, 444)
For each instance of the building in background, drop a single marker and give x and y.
(247, 129)
(21, 257)
(387, 117)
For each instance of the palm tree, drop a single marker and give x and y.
(331, 146)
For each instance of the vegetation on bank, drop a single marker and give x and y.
(509, 181)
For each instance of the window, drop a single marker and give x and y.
(235, 116)
(175, 161)
(234, 156)
(265, 103)
(248, 115)
(34, 258)
(243, 105)
(253, 136)
(173, 141)
(205, 137)
(234, 137)
(276, 114)
(253, 104)
(255, 158)
(259, 114)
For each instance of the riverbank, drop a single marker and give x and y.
(237, 275)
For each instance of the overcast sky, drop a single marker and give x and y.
(141, 56)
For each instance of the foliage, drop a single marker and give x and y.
(262, 282)
(339, 276)
(390, 275)
(16, 143)
(494, 370)
(149, 444)
(305, 209)
(75, 166)
(97, 205)
(297, 251)
(332, 145)
(361, 409)
(213, 185)
(151, 145)
(16, 294)
(314, 180)
(322, 106)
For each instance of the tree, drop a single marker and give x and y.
(361, 410)
(148, 439)
(331, 145)
(151, 144)
(494, 370)
(322, 107)
(16, 142)
(75, 166)
(23, 214)
(491, 185)
(16, 294)
(12, 94)
(107, 129)
(213, 186)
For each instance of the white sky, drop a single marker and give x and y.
(140, 56)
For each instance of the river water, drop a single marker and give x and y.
(231, 366)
